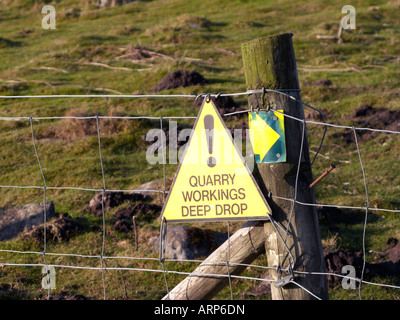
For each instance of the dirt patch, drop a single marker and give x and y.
(61, 229)
(391, 242)
(11, 292)
(192, 22)
(65, 296)
(313, 115)
(388, 263)
(198, 236)
(375, 118)
(6, 43)
(112, 3)
(180, 79)
(139, 54)
(393, 253)
(319, 82)
(179, 29)
(72, 13)
(142, 211)
(336, 259)
(263, 289)
(111, 200)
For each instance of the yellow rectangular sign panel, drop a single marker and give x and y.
(213, 181)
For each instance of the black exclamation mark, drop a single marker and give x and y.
(209, 128)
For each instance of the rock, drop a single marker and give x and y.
(180, 79)
(152, 185)
(16, 219)
(183, 242)
(393, 254)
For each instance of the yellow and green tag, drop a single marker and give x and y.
(267, 136)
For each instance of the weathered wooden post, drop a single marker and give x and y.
(270, 63)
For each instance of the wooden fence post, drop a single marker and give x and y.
(270, 63)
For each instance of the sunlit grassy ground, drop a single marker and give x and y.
(364, 69)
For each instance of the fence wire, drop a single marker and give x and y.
(102, 258)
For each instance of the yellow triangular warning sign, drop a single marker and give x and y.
(213, 181)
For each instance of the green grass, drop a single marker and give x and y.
(69, 153)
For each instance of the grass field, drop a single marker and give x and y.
(95, 51)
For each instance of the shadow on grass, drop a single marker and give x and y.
(7, 43)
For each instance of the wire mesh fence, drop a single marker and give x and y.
(101, 262)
